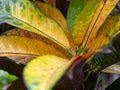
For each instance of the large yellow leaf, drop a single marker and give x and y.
(21, 46)
(43, 72)
(24, 14)
(55, 14)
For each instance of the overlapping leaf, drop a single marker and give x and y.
(16, 45)
(53, 13)
(83, 20)
(99, 19)
(107, 57)
(43, 72)
(24, 14)
(89, 21)
(106, 32)
(102, 60)
(56, 15)
(74, 8)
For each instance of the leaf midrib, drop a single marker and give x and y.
(56, 41)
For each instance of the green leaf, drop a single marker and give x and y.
(24, 14)
(107, 57)
(103, 60)
(43, 72)
(22, 46)
(74, 9)
(83, 20)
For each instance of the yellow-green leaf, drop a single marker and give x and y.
(74, 9)
(100, 16)
(55, 14)
(43, 72)
(88, 22)
(83, 20)
(21, 46)
(106, 32)
(24, 14)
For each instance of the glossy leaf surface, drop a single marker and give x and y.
(24, 14)
(106, 32)
(82, 21)
(103, 60)
(102, 12)
(55, 14)
(43, 72)
(88, 23)
(107, 57)
(73, 10)
(52, 12)
(21, 46)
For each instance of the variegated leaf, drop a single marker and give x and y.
(57, 16)
(24, 14)
(104, 9)
(43, 72)
(83, 20)
(106, 32)
(74, 9)
(21, 46)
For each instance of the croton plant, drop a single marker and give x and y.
(59, 53)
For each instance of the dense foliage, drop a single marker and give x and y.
(48, 49)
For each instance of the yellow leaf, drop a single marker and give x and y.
(43, 72)
(24, 14)
(21, 46)
(83, 20)
(55, 14)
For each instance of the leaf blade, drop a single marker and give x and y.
(49, 77)
(73, 10)
(16, 45)
(82, 22)
(105, 11)
(58, 17)
(106, 32)
(18, 14)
